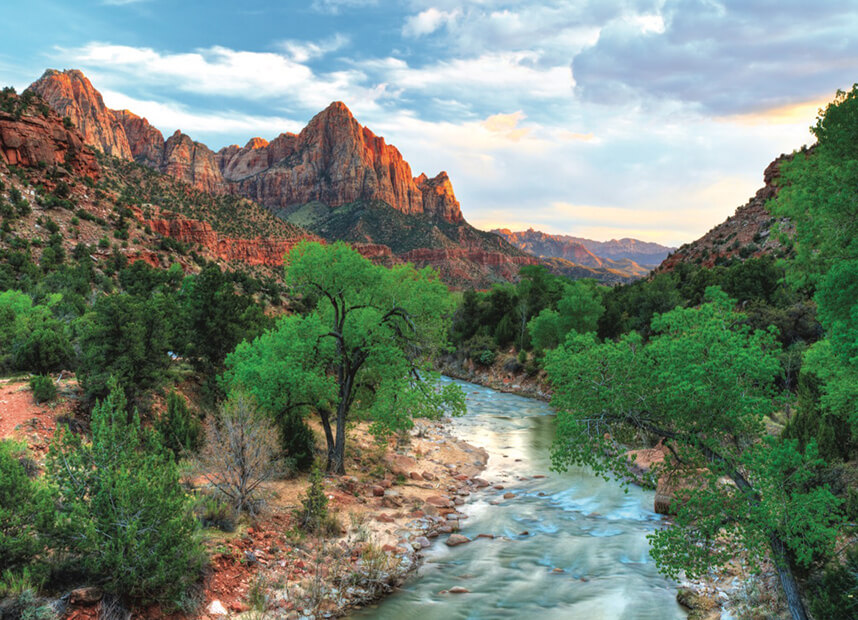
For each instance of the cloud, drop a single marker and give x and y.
(223, 72)
(428, 21)
(302, 51)
(724, 57)
(168, 117)
(333, 7)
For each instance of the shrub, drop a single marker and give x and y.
(834, 594)
(23, 510)
(180, 431)
(43, 388)
(240, 453)
(212, 512)
(313, 515)
(486, 357)
(121, 512)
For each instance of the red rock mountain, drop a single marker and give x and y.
(334, 160)
(749, 232)
(335, 178)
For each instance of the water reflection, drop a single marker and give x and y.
(567, 546)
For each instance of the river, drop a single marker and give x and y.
(569, 545)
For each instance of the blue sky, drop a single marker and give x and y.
(601, 118)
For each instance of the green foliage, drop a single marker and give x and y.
(577, 310)
(297, 441)
(313, 515)
(180, 430)
(703, 383)
(31, 338)
(127, 338)
(24, 510)
(366, 343)
(217, 319)
(120, 508)
(43, 388)
(833, 595)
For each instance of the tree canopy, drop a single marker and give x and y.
(365, 345)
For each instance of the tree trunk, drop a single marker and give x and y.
(788, 582)
(329, 437)
(337, 465)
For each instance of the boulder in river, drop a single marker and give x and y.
(455, 540)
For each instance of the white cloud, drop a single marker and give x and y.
(302, 51)
(428, 21)
(220, 71)
(333, 7)
(168, 117)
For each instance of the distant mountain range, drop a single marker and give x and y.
(618, 260)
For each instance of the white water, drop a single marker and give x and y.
(574, 521)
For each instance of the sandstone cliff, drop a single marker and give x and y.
(70, 93)
(146, 142)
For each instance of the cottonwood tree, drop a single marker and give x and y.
(702, 385)
(365, 347)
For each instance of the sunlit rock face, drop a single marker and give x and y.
(70, 93)
(334, 160)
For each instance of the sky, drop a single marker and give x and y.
(651, 119)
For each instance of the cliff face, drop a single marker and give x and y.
(146, 142)
(34, 140)
(749, 232)
(192, 162)
(70, 93)
(334, 160)
(334, 163)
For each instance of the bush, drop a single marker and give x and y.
(240, 453)
(212, 512)
(834, 594)
(24, 510)
(180, 431)
(43, 388)
(121, 513)
(486, 357)
(313, 515)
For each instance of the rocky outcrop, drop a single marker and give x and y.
(146, 142)
(192, 162)
(262, 251)
(37, 140)
(750, 232)
(70, 93)
(438, 197)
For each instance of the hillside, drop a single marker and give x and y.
(333, 164)
(750, 232)
(67, 198)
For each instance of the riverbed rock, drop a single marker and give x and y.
(454, 540)
(458, 590)
(700, 606)
(428, 476)
(508, 495)
(439, 501)
(216, 608)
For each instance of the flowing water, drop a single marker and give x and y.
(574, 521)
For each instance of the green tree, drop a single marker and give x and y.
(181, 432)
(217, 318)
(128, 338)
(120, 508)
(702, 385)
(366, 345)
(24, 511)
(578, 310)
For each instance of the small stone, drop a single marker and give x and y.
(491, 536)
(384, 518)
(422, 541)
(457, 539)
(458, 590)
(462, 477)
(480, 483)
(508, 495)
(217, 609)
(378, 491)
(525, 533)
(557, 570)
(415, 476)
(428, 476)
(498, 487)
